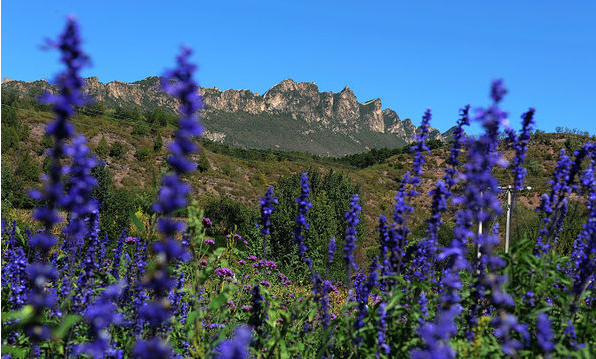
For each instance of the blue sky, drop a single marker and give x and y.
(438, 54)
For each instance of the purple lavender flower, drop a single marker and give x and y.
(100, 316)
(207, 222)
(118, 255)
(303, 206)
(363, 291)
(584, 252)
(557, 199)
(267, 208)
(172, 196)
(398, 236)
(420, 147)
(70, 94)
(424, 260)
(520, 144)
(236, 348)
(382, 346)
(224, 272)
(480, 198)
(352, 219)
(459, 138)
(544, 335)
(152, 349)
(257, 315)
(14, 273)
(436, 336)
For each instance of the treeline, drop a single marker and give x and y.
(376, 156)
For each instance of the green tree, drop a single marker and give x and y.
(142, 154)
(117, 150)
(203, 164)
(102, 148)
(158, 143)
(330, 197)
(27, 168)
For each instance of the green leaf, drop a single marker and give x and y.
(218, 301)
(14, 351)
(66, 324)
(137, 222)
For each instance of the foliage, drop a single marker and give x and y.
(118, 149)
(203, 164)
(142, 153)
(102, 149)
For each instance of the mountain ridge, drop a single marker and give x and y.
(297, 113)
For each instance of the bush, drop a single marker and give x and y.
(142, 154)
(102, 149)
(158, 143)
(117, 150)
(203, 164)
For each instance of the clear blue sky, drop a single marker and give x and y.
(438, 54)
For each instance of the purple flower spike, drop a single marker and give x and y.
(172, 196)
(301, 224)
(544, 335)
(520, 144)
(352, 219)
(236, 348)
(267, 208)
(70, 95)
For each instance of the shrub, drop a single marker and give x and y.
(118, 149)
(142, 154)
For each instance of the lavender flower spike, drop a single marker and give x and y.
(171, 197)
(69, 95)
(267, 208)
(352, 218)
(520, 144)
(303, 206)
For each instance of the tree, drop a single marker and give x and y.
(142, 154)
(158, 143)
(203, 164)
(117, 149)
(330, 197)
(102, 148)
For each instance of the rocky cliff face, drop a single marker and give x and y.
(339, 113)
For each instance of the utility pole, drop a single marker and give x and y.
(509, 189)
(508, 225)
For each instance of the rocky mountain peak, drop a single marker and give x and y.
(339, 113)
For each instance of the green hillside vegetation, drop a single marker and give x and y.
(233, 179)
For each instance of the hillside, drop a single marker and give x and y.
(289, 116)
(132, 159)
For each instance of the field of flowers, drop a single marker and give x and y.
(70, 291)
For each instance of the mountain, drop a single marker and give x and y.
(290, 116)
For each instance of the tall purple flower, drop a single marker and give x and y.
(544, 335)
(553, 203)
(584, 252)
(78, 201)
(424, 260)
(480, 198)
(118, 255)
(63, 104)
(237, 347)
(172, 195)
(100, 316)
(398, 237)
(520, 144)
(363, 291)
(352, 219)
(267, 208)
(382, 346)
(457, 146)
(301, 224)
